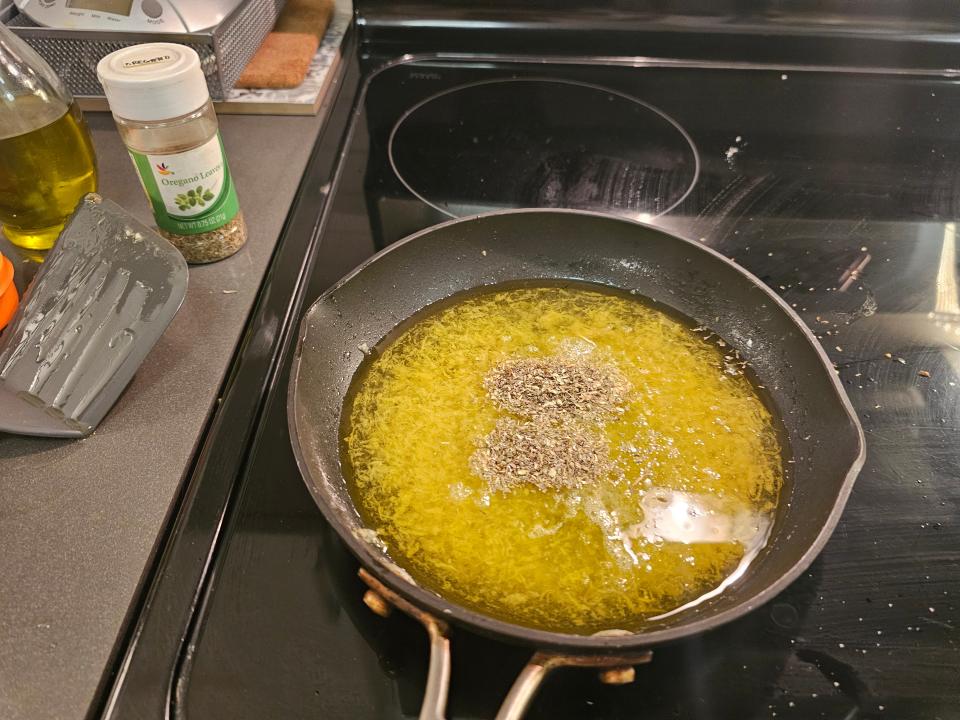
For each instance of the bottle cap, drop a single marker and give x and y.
(153, 81)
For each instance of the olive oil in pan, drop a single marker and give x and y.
(47, 164)
(671, 495)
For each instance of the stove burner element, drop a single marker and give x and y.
(547, 143)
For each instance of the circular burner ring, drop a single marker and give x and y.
(611, 94)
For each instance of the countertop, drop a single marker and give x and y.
(79, 519)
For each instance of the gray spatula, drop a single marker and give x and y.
(102, 298)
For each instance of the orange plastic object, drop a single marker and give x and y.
(8, 304)
(6, 274)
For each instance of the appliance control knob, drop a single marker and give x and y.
(152, 8)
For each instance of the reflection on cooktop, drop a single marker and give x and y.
(542, 143)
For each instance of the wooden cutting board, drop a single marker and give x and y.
(284, 57)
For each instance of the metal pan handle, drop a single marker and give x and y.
(614, 669)
(382, 600)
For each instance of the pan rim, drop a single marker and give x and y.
(512, 632)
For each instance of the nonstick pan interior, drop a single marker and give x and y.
(823, 432)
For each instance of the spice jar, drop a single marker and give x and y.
(160, 102)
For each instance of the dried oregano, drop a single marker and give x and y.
(558, 444)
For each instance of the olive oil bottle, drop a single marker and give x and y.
(47, 162)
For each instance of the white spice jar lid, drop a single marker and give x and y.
(153, 81)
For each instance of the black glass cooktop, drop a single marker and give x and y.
(840, 190)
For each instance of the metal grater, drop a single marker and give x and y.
(224, 49)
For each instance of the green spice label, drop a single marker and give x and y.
(191, 192)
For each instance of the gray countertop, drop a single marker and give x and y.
(79, 519)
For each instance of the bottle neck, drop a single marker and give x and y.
(31, 94)
(23, 70)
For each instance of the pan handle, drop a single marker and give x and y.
(614, 669)
(438, 676)
(525, 687)
(381, 600)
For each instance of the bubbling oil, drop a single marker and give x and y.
(697, 456)
(47, 164)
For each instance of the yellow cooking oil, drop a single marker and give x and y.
(697, 458)
(47, 164)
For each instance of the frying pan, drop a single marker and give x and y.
(520, 246)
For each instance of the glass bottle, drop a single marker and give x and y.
(159, 99)
(47, 162)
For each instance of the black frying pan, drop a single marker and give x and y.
(524, 245)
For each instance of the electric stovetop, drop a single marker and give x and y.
(839, 188)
